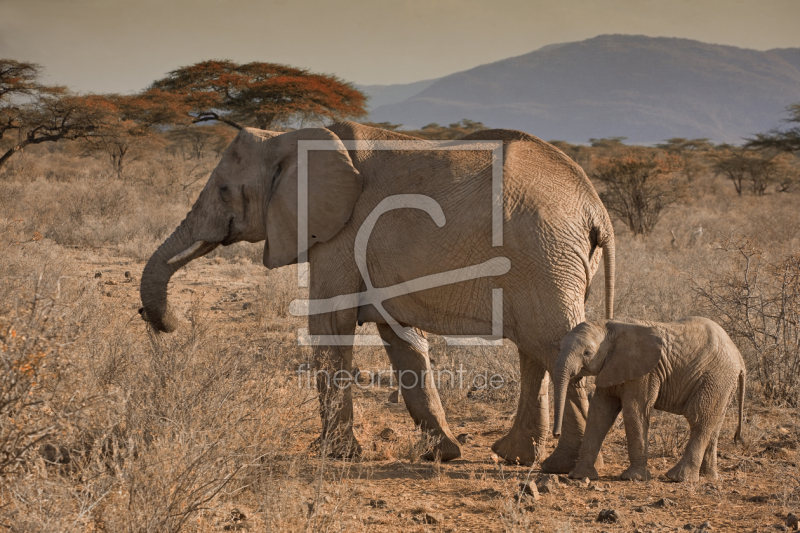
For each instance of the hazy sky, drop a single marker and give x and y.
(123, 45)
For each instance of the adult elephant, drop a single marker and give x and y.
(429, 219)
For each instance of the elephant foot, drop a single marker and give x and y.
(343, 446)
(681, 472)
(561, 461)
(445, 450)
(636, 474)
(583, 471)
(709, 473)
(517, 449)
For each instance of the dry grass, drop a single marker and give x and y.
(207, 429)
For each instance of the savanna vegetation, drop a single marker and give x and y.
(106, 426)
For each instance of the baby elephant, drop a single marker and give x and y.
(689, 367)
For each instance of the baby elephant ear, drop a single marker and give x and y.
(634, 350)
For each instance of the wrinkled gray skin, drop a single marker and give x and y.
(689, 367)
(555, 231)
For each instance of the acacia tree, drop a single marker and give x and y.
(688, 151)
(128, 122)
(760, 168)
(264, 95)
(39, 113)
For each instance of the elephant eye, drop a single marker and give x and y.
(587, 352)
(224, 189)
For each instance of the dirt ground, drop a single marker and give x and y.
(388, 491)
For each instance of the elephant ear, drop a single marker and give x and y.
(334, 186)
(633, 351)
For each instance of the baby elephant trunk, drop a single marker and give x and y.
(567, 367)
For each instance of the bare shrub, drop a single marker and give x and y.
(639, 188)
(758, 304)
(669, 434)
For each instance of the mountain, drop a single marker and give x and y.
(389, 94)
(643, 88)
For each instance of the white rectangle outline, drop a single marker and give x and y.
(304, 146)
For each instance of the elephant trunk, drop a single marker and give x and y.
(165, 261)
(567, 366)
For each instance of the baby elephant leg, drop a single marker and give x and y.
(688, 468)
(708, 468)
(636, 415)
(705, 416)
(603, 411)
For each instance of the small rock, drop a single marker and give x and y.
(128, 274)
(464, 438)
(583, 483)
(487, 493)
(530, 489)
(434, 518)
(388, 434)
(378, 504)
(663, 503)
(758, 499)
(688, 527)
(216, 308)
(608, 516)
(547, 483)
(247, 305)
(705, 526)
(98, 275)
(236, 514)
(640, 509)
(111, 282)
(792, 522)
(394, 397)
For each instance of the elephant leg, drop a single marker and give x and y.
(603, 411)
(333, 371)
(708, 468)
(565, 456)
(525, 443)
(636, 415)
(688, 468)
(417, 383)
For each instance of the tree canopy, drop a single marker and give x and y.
(787, 140)
(40, 113)
(264, 95)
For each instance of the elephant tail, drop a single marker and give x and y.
(609, 268)
(602, 236)
(737, 437)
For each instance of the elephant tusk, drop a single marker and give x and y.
(187, 252)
